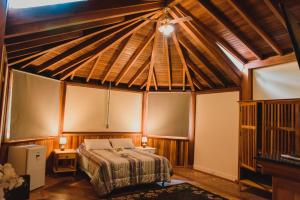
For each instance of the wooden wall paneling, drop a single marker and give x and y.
(175, 149)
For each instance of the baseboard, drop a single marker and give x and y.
(215, 173)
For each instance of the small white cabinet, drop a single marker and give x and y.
(29, 160)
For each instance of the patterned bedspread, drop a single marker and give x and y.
(109, 169)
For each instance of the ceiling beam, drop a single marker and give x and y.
(210, 47)
(167, 55)
(96, 39)
(42, 41)
(198, 84)
(93, 68)
(274, 60)
(153, 55)
(183, 62)
(205, 62)
(122, 49)
(107, 44)
(200, 73)
(144, 84)
(154, 80)
(53, 17)
(27, 58)
(138, 52)
(276, 12)
(20, 33)
(243, 12)
(209, 33)
(141, 70)
(222, 19)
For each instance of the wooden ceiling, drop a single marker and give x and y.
(98, 43)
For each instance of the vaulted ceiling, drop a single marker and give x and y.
(99, 43)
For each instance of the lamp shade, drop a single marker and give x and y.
(62, 140)
(144, 139)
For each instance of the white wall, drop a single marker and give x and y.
(277, 82)
(216, 134)
(168, 113)
(86, 110)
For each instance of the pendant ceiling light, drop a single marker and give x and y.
(166, 29)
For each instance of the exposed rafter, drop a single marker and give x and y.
(220, 18)
(183, 62)
(93, 68)
(134, 57)
(139, 72)
(110, 43)
(235, 4)
(115, 61)
(154, 80)
(166, 52)
(275, 11)
(210, 48)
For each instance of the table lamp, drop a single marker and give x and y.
(144, 141)
(62, 142)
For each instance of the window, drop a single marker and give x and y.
(36, 3)
(237, 63)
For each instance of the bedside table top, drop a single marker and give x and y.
(58, 151)
(146, 148)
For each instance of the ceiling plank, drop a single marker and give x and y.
(17, 34)
(222, 19)
(243, 12)
(88, 36)
(210, 47)
(93, 68)
(108, 44)
(42, 41)
(276, 12)
(27, 58)
(202, 59)
(141, 70)
(167, 55)
(60, 70)
(134, 58)
(200, 73)
(183, 62)
(49, 18)
(198, 84)
(97, 39)
(115, 61)
(209, 33)
(153, 55)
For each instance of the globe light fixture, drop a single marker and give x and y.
(166, 29)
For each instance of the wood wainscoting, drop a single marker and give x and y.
(175, 149)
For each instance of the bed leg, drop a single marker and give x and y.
(163, 184)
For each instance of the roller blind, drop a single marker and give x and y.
(277, 82)
(168, 114)
(86, 110)
(34, 109)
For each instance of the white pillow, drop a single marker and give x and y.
(97, 144)
(125, 143)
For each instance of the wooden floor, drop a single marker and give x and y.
(78, 188)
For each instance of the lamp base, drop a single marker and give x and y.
(144, 145)
(62, 147)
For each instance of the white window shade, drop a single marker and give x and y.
(86, 110)
(34, 107)
(168, 114)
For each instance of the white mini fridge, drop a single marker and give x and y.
(29, 160)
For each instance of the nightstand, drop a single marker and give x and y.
(147, 149)
(65, 161)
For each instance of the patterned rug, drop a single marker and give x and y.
(183, 191)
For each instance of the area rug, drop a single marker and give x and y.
(183, 191)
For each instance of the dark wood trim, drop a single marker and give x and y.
(192, 121)
(145, 112)
(62, 101)
(274, 60)
(27, 140)
(167, 137)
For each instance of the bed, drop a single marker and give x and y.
(115, 167)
